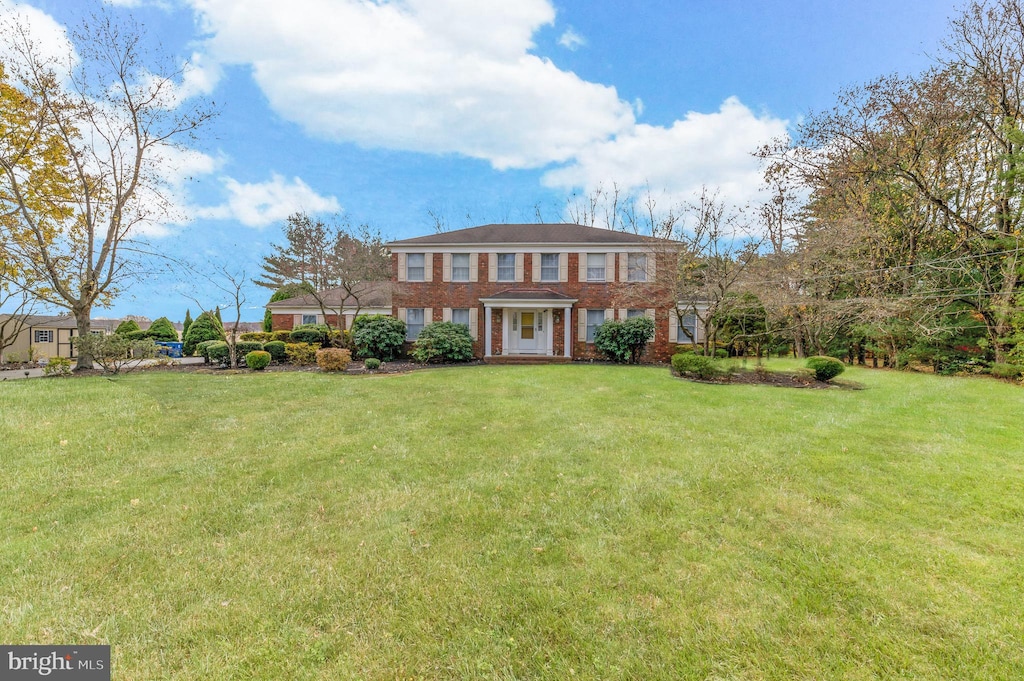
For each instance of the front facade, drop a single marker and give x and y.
(331, 307)
(536, 290)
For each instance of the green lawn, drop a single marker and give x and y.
(557, 522)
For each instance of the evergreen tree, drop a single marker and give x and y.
(219, 320)
(205, 327)
(187, 323)
(162, 330)
(126, 327)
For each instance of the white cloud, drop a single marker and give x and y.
(263, 203)
(435, 76)
(48, 36)
(571, 40)
(701, 149)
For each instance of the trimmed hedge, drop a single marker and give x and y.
(276, 350)
(825, 368)
(697, 366)
(243, 348)
(301, 354)
(309, 333)
(218, 352)
(333, 359)
(201, 349)
(257, 360)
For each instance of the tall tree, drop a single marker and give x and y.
(81, 155)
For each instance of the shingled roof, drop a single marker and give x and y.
(528, 234)
(374, 294)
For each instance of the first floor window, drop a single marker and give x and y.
(460, 315)
(634, 313)
(687, 329)
(636, 267)
(549, 266)
(595, 318)
(595, 266)
(413, 322)
(414, 266)
(44, 336)
(506, 267)
(460, 266)
(309, 319)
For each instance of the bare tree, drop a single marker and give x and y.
(84, 171)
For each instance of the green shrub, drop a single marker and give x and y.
(276, 350)
(998, 369)
(202, 347)
(257, 360)
(126, 327)
(309, 333)
(57, 366)
(115, 353)
(301, 354)
(204, 328)
(372, 363)
(825, 368)
(243, 348)
(443, 342)
(162, 330)
(256, 336)
(624, 341)
(697, 366)
(721, 353)
(379, 336)
(333, 359)
(218, 352)
(283, 335)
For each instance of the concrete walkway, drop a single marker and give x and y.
(38, 371)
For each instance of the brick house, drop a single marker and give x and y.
(374, 298)
(537, 289)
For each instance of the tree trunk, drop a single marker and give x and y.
(82, 315)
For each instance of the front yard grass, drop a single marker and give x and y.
(593, 522)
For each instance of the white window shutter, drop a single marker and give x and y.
(520, 257)
(401, 313)
(428, 267)
(535, 258)
(296, 320)
(563, 267)
(673, 327)
(609, 314)
(446, 264)
(581, 324)
(650, 314)
(651, 259)
(446, 314)
(623, 266)
(609, 267)
(474, 266)
(473, 321)
(492, 267)
(582, 258)
(623, 313)
(428, 315)
(401, 267)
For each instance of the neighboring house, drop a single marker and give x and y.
(45, 336)
(537, 289)
(374, 298)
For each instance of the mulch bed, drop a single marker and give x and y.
(779, 379)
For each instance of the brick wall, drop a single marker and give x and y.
(438, 294)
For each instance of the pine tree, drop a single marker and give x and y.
(187, 323)
(219, 320)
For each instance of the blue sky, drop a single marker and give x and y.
(482, 111)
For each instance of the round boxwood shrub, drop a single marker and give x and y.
(372, 363)
(378, 336)
(276, 350)
(443, 342)
(825, 368)
(201, 349)
(243, 348)
(333, 359)
(205, 327)
(257, 360)
(309, 333)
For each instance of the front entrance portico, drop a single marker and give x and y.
(528, 319)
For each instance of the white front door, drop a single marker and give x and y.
(528, 330)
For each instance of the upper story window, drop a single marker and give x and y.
(414, 266)
(460, 266)
(506, 266)
(549, 265)
(636, 267)
(595, 266)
